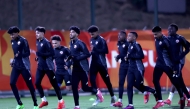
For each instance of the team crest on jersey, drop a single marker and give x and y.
(131, 47)
(177, 41)
(41, 44)
(160, 43)
(91, 42)
(12, 43)
(123, 45)
(61, 52)
(75, 46)
(18, 42)
(118, 46)
(96, 42)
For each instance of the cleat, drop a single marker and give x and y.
(168, 102)
(61, 105)
(146, 97)
(129, 107)
(182, 103)
(158, 105)
(118, 104)
(99, 99)
(100, 96)
(188, 103)
(43, 103)
(113, 100)
(20, 107)
(36, 107)
(76, 108)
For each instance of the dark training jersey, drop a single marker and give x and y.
(135, 56)
(178, 44)
(61, 53)
(20, 46)
(45, 54)
(163, 52)
(100, 49)
(122, 48)
(79, 53)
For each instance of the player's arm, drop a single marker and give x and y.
(138, 54)
(119, 55)
(26, 49)
(84, 52)
(103, 49)
(68, 53)
(186, 46)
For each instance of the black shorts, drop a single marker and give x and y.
(61, 75)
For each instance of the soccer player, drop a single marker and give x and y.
(163, 64)
(20, 65)
(136, 69)
(45, 55)
(123, 48)
(79, 55)
(98, 63)
(178, 43)
(61, 53)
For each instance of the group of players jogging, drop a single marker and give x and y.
(71, 65)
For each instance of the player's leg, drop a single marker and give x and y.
(67, 79)
(139, 84)
(171, 94)
(39, 76)
(93, 74)
(84, 82)
(105, 76)
(28, 79)
(13, 79)
(53, 81)
(59, 78)
(122, 78)
(130, 84)
(183, 88)
(75, 83)
(176, 82)
(157, 73)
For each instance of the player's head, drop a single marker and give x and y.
(172, 29)
(132, 36)
(56, 41)
(157, 31)
(13, 31)
(122, 36)
(74, 32)
(93, 31)
(40, 31)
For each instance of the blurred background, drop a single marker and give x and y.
(110, 16)
(107, 14)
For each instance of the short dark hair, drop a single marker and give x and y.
(40, 29)
(93, 28)
(134, 33)
(123, 32)
(156, 29)
(56, 37)
(174, 25)
(13, 29)
(75, 28)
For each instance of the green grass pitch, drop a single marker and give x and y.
(85, 103)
